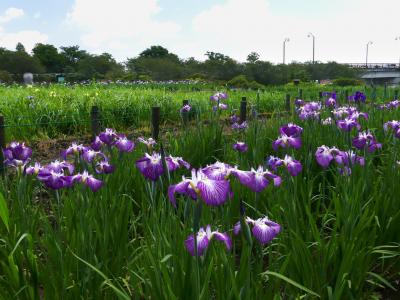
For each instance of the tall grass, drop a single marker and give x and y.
(339, 237)
(57, 110)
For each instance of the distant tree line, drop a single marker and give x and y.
(157, 63)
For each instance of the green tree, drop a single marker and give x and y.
(49, 57)
(71, 56)
(253, 57)
(97, 66)
(20, 48)
(16, 62)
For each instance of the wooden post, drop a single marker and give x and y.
(2, 143)
(95, 120)
(301, 94)
(385, 92)
(287, 103)
(243, 109)
(155, 121)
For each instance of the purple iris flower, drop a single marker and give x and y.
(34, 170)
(366, 139)
(291, 130)
(204, 238)
(186, 108)
(212, 192)
(55, 179)
(221, 106)
(240, 147)
(330, 102)
(344, 111)
(88, 180)
(104, 167)
(240, 126)
(89, 155)
(264, 230)
(217, 171)
(74, 149)
(150, 166)
(310, 110)
(349, 158)
(394, 125)
(285, 141)
(17, 155)
(299, 102)
(60, 166)
(123, 144)
(150, 142)
(358, 97)
(97, 144)
(325, 155)
(327, 121)
(348, 124)
(174, 163)
(293, 166)
(218, 96)
(108, 136)
(355, 115)
(256, 180)
(274, 162)
(234, 119)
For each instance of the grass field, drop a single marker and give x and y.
(65, 235)
(52, 111)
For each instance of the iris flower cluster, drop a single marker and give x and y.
(218, 97)
(345, 159)
(351, 120)
(366, 140)
(309, 110)
(358, 97)
(390, 105)
(17, 155)
(151, 165)
(331, 100)
(394, 126)
(292, 165)
(263, 229)
(290, 137)
(61, 174)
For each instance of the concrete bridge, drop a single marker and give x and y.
(379, 73)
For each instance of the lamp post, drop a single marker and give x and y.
(313, 46)
(366, 55)
(398, 39)
(284, 48)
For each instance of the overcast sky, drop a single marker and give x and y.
(191, 27)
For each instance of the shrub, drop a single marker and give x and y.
(5, 77)
(241, 81)
(343, 81)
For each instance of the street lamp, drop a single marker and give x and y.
(398, 39)
(313, 46)
(284, 48)
(366, 55)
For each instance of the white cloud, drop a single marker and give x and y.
(11, 13)
(122, 27)
(27, 37)
(238, 27)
